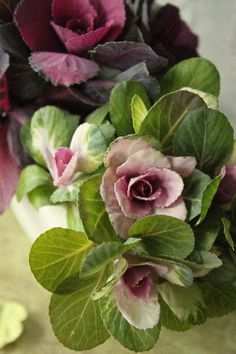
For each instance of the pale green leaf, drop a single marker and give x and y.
(187, 304)
(164, 235)
(139, 112)
(75, 317)
(169, 320)
(40, 196)
(129, 336)
(12, 316)
(210, 100)
(164, 118)
(99, 115)
(120, 105)
(197, 73)
(200, 135)
(93, 213)
(73, 218)
(32, 177)
(56, 255)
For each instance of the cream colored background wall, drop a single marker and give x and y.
(215, 23)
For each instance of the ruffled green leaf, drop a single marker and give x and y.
(139, 112)
(164, 235)
(164, 118)
(120, 105)
(129, 336)
(187, 304)
(197, 73)
(75, 317)
(93, 213)
(200, 135)
(31, 177)
(56, 255)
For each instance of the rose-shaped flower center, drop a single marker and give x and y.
(139, 280)
(78, 25)
(142, 189)
(62, 158)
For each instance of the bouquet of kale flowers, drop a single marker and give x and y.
(149, 192)
(71, 54)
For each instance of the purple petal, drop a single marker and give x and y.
(123, 55)
(4, 97)
(32, 18)
(177, 210)
(138, 163)
(184, 166)
(119, 221)
(227, 188)
(122, 148)
(72, 9)
(63, 69)
(142, 313)
(112, 13)
(80, 43)
(62, 157)
(9, 171)
(130, 208)
(68, 173)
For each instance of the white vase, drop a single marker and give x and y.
(35, 222)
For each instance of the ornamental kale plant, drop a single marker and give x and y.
(149, 187)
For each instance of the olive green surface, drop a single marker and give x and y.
(18, 284)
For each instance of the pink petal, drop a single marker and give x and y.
(63, 69)
(32, 18)
(138, 163)
(63, 11)
(113, 12)
(119, 221)
(184, 166)
(122, 148)
(80, 43)
(177, 210)
(131, 208)
(62, 158)
(9, 171)
(142, 313)
(68, 174)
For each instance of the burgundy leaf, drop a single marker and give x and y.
(4, 63)
(6, 10)
(123, 55)
(32, 18)
(80, 44)
(63, 69)
(4, 99)
(9, 171)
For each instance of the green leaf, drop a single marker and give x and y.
(45, 136)
(129, 336)
(208, 196)
(197, 73)
(200, 135)
(187, 304)
(32, 177)
(75, 317)
(194, 186)
(99, 115)
(93, 213)
(56, 255)
(120, 105)
(207, 232)
(73, 218)
(228, 236)
(164, 235)
(11, 317)
(104, 254)
(210, 100)
(220, 299)
(139, 112)
(169, 320)
(40, 196)
(164, 118)
(26, 141)
(202, 262)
